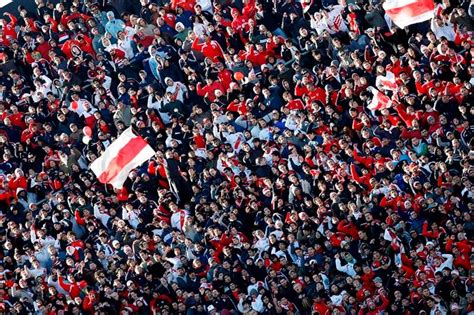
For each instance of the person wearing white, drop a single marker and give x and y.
(177, 89)
(131, 215)
(348, 268)
(101, 216)
(199, 29)
(337, 299)
(236, 140)
(41, 88)
(334, 20)
(37, 270)
(443, 28)
(157, 102)
(178, 219)
(448, 263)
(125, 43)
(262, 242)
(318, 23)
(206, 5)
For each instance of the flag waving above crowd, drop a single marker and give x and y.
(261, 157)
(123, 155)
(407, 12)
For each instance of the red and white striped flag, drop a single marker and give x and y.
(122, 156)
(379, 100)
(407, 12)
(386, 82)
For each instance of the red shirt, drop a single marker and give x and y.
(209, 90)
(210, 49)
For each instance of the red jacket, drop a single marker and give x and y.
(348, 228)
(367, 161)
(464, 247)
(378, 309)
(44, 49)
(210, 49)
(225, 77)
(74, 288)
(17, 120)
(9, 28)
(295, 104)
(406, 117)
(238, 107)
(365, 179)
(209, 90)
(65, 18)
(16, 183)
(187, 5)
(431, 234)
(391, 203)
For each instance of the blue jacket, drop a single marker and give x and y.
(114, 25)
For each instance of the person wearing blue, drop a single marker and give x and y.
(154, 63)
(99, 16)
(114, 25)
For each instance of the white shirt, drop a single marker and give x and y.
(320, 26)
(448, 263)
(206, 5)
(262, 244)
(178, 218)
(126, 46)
(43, 89)
(235, 140)
(37, 272)
(347, 268)
(179, 89)
(199, 29)
(79, 106)
(131, 217)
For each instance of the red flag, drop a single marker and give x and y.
(407, 12)
(379, 100)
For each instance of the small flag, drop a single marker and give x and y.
(379, 100)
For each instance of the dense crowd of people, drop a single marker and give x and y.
(274, 189)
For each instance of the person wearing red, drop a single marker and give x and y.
(208, 91)
(8, 28)
(224, 75)
(209, 48)
(71, 285)
(17, 182)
